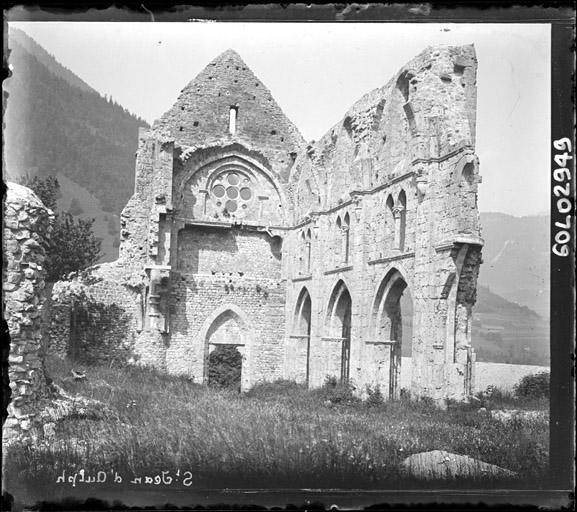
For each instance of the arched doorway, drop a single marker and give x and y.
(339, 324)
(226, 335)
(391, 321)
(302, 327)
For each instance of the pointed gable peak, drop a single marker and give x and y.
(229, 56)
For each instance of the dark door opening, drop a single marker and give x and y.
(225, 367)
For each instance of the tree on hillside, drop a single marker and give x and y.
(73, 245)
(47, 189)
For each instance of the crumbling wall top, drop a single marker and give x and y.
(226, 103)
(425, 111)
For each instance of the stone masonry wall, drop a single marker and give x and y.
(231, 251)
(202, 300)
(102, 325)
(27, 227)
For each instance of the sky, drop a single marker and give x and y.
(317, 71)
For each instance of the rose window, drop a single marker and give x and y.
(232, 191)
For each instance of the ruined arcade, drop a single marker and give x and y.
(329, 258)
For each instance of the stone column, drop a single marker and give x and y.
(27, 228)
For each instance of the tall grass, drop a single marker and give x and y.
(276, 434)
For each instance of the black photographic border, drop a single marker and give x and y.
(561, 17)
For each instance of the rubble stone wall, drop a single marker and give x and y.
(102, 325)
(202, 303)
(27, 228)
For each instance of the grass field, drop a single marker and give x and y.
(278, 434)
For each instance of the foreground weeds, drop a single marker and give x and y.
(278, 434)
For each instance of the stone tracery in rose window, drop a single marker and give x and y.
(232, 191)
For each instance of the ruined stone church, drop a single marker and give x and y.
(329, 258)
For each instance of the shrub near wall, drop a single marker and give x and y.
(533, 386)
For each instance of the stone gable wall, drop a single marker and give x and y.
(200, 116)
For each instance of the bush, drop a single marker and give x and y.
(375, 398)
(533, 386)
(280, 387)
(336, 392)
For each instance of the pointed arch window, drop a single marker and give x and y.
(390, 220)
(400, 221)
(343, 239)
(346, 238)
(307, 239)
(305, 252)
(338, 241)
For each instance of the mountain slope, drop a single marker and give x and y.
(33, 48)
(57, 124)
(516, 260)
(505, 332)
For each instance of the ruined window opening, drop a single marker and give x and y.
(338, 324)
(232, 191)
(458, 69)
(391, 321)
(302, 253)
(346, 237)
(233, 114)
(400, 221)
(302, 323)
(378, 114)
(337, 239)
(390, 219)
(348, 126)
(410, 117)
(403, 84)
(308, 251)
(469, 172)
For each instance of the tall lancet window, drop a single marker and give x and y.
(232, 116)
(399, 212)
(308, 252)
(346, 238)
